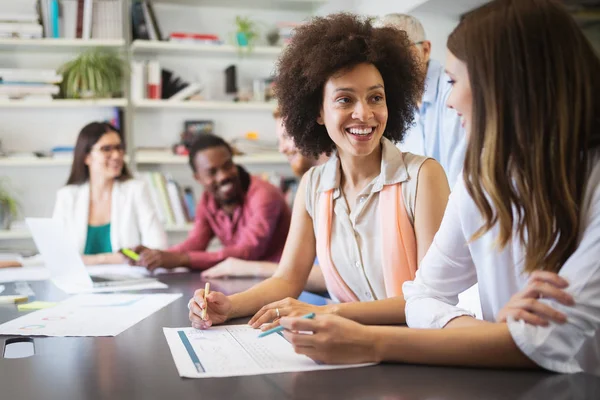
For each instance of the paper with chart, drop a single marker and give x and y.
(235, 350)
(89, 315)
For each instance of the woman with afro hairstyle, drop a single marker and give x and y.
(370, 213)
(524, 222)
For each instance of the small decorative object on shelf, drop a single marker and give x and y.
(246, 34)
(273, 37)
(9, 207)
(96, 73)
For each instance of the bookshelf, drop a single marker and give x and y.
(35, 161)
(41, 124)
(153, 47)
(205, 105)
(64, 103)
(164, 158)
(307, 6)
(52, 45)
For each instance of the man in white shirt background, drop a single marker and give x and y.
(437, 130)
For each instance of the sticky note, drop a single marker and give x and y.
(35, 305)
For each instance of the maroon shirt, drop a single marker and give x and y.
(257, 230)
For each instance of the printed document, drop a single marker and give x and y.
(236, 350)
(89, 315)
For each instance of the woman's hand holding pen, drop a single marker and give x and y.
(218, 309)
(525, 305)
(289, 307)
(334, 340)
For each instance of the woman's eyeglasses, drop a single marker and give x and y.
(108, 149)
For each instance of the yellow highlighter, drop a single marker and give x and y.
(130, 254)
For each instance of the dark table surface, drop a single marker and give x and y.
(137, 364)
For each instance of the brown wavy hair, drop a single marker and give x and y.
(88, 137)
(327, 45)
(536, 107)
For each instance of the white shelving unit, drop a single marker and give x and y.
(158, 47)
(288, 5)
(205, 105)
(52, 45)
(64, 103)
(35, 162)
(51, 53)
(159, 158)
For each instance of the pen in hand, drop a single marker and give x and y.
(206, 290)
(281, 328)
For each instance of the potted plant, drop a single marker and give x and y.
(96, 73)
(9, 207)
(246, 33)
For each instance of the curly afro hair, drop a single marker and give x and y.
(336, 42)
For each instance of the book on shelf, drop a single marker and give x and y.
(62, 151)
(29, 84)
(29, 75)
(138, 80)
(194, 38)
(107, 19)
(20, 19)
(21, 30)
(154, 80)
(82, 19)
(34, 98)
(144, 24)
(19, 90)
(174, 205)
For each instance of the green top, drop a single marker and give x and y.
(98, 240)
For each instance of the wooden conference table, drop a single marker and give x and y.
(137, 364)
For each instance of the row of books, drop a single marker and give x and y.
(19, 19)
(150, 81)
(174, 204)
(29, 84)
(70, 19)
(83, 19)
(144, 24)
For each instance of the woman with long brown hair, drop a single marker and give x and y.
(525, 224)
(102, 207)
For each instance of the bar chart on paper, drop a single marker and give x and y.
(235, 350)
(89, 315)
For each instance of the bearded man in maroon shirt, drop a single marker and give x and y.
(248, 215)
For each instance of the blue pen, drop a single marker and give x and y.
(281, 328)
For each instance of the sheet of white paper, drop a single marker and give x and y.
(235, 350)
(41, 273)
(128, 269)
(140, 286)
(89, 315)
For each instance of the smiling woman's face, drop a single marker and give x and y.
(354, 109)
(461, 97)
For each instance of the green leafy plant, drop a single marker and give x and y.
(247, 32)
(97, 73)
(9, 206)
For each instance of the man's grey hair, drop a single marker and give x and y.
(408, 23)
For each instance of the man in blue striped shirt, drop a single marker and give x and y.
(437, 130)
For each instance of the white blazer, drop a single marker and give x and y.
(133, 220)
